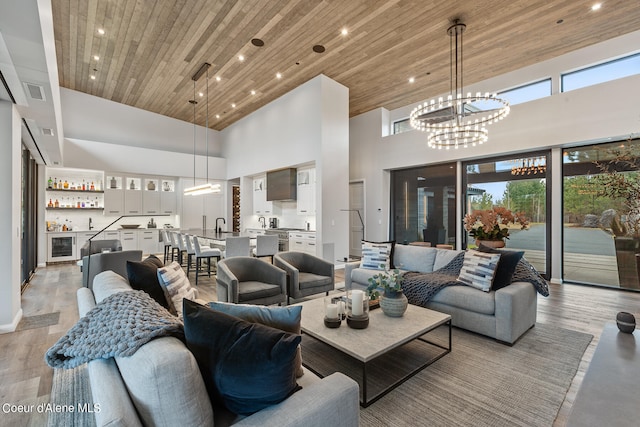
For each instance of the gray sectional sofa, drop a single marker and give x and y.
(161, 385)
(504, 314)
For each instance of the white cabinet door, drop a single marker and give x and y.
(201, 211)
(302, 242)
(113, 195)
(148, 241)
(129, 239)
(168, 200)
(306, 199)
(133, 196)
(151, 196)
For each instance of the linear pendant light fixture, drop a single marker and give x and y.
(458, 121)
(206, 188)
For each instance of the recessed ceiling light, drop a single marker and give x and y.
(278, 76)
(412, 79)
(318, 48)
(596, 6)
(257, 42)
(233, 105)
(253, 92)
(217, 116)
(200, 94)
(218, 78)
(344, 31)
(96, 57)
(240, 58)
(101, 31)
(92, 77)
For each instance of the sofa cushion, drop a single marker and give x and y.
(377, 255)
(506, 267)
(143, 276)
(176, 286)
(414, 258)
(284, 318)
(467, 298)
(310, 280)
(252, 289)
(248, 366)
(165, 384)
(108, 283)
(478, 269)
(444, 257)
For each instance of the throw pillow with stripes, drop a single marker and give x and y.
(176, 286)
(376, 255)
(478, 269)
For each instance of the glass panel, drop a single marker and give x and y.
(608, 71)
(424, 204)
(401, 126)
(61, 246)
(601, 208)
(519, 185)
(527, 93)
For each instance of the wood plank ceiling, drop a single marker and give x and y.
(151, 49)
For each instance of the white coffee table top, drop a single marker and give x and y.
(383, 333)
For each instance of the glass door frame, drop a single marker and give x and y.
(548, 208)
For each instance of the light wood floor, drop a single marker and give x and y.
(26, 379)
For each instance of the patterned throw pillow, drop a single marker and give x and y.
(377, 255)
(176, 286)
(478, 269)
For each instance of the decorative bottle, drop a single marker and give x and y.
(50, 183)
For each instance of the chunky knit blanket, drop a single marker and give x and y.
(117, 326)
(420, 288)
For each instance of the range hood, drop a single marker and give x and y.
(281, 185)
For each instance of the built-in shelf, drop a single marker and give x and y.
(74, 209)
(74, 191)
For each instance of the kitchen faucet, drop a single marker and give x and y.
(262, 221)
(90, 226)
(224, 221)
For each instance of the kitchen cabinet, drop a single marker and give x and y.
(261, 206)
(129, 239)
(201, 211)
(168, 199)
(113, 195)
(133, 196)
(302, 241)
(253, 232)
(151, 196)
(148, 241)
(306, 182)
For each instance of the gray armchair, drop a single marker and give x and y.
(306, 274)
(114, 261)
(248, 280)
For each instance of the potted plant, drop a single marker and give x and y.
(393, 302)
(491, 226)
(620, 181)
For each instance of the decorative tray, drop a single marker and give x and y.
(127, 226)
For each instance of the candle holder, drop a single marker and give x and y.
(357, 309)
(332, 317)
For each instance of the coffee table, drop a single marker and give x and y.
(383, 335)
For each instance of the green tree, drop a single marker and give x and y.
(481, 202)
(528, 196)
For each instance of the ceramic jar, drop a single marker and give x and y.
(393, 304)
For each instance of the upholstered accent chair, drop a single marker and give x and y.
(248, 280)
(306, 274)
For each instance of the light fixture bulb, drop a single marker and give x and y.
(218, 78)
(278, 76)
(596, 6)
(96, 57)
(344, 31)
(253, 92)
(412, 79)
(240, 58)
(92, 77)
(101, 31)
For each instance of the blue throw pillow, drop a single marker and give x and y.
(246, 366)
(284, 318)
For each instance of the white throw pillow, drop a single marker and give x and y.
(176, 286)
(478, 269)
(376, 255)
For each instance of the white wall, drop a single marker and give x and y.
(596, 113)
(10, 175)
(307, 125)
(91, 118)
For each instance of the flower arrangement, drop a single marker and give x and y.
(389, 280)
(492, 224)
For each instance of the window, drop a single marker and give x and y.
(400, 126)
(424, 204)
(600, 214)
(527, 93)
(601, 73)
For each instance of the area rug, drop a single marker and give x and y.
(71, 389)
(480, 383)
(38, 321)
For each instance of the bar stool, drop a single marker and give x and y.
(236, 246)
(203, 252)
(167, 245)
(175, 248)
(188, 240)
(266, 245)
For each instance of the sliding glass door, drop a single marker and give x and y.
(520, 185)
